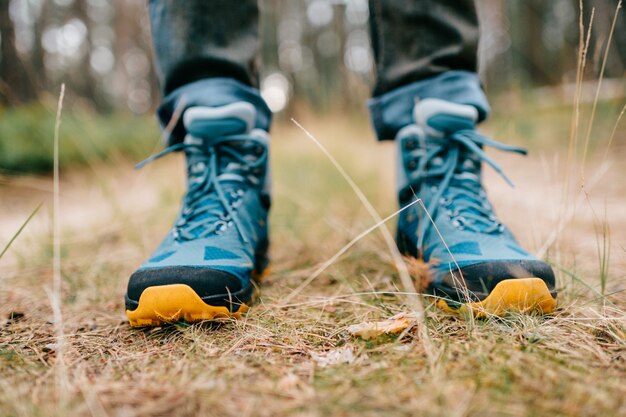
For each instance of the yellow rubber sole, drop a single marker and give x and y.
(166, 304)
(172, 303)
(516, 295)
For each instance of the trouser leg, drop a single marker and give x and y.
(422, 48)
(417, 39)
(207, 54)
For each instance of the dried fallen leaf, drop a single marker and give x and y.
(419, 271)
(394, 325)
(334, 357)
(50, 348)
(288, 382)
(294, 386)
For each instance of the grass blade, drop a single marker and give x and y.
(54, 295)
(415, 299)
(8, 245)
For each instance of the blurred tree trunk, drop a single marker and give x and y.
(37, 53)
(84, 80)
(15, 85)
(535, 49)
(604, 13)
(123, 25)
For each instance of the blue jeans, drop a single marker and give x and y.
(207, 51)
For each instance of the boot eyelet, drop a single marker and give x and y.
(410, 144)
(220, 227)
(459, 223)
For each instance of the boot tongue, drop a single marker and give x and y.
(210, 128)
(440, 118)
(210, 123)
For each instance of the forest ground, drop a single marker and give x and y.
(299, 357)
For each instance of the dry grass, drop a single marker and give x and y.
(298, 358)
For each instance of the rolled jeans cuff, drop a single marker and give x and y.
(210, 92)
(392, 111)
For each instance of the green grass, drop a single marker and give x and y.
(26, 142)
(267, 364)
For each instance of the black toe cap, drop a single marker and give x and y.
(215, 287)
(482, 278)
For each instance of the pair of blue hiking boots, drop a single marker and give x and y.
(207, 264)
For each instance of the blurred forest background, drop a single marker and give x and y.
(317, 50)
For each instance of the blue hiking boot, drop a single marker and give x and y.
(205, 266)
(480, 268)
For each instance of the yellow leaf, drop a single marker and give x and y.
(394, 325)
